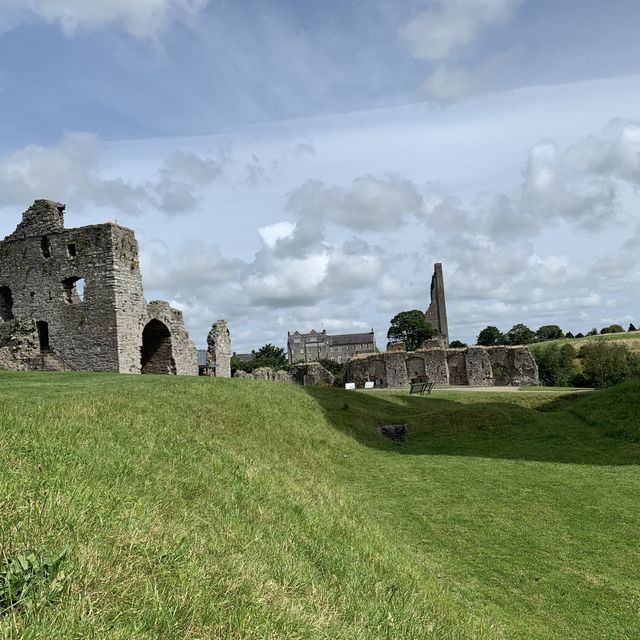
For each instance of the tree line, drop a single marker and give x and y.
(521, 334)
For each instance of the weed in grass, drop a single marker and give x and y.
(30, 579)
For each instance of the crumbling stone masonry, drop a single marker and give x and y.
(436, 314)
(219, 349)
(73, 298)
(473, 366)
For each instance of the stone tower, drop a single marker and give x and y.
(73, 298)
(219, 349)
(436, 314)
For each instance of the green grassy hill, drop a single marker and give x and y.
(198, 508)
(632, 340)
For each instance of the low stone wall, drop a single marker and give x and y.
(311, 374)
(473, 366)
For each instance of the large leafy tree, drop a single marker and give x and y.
(520, 334)
(490, 336)
(549, 332)
(271, 356)
(411, 328)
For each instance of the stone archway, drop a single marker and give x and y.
(156, 352)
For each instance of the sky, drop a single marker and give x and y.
(293, 165)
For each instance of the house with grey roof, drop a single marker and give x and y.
(318, 345)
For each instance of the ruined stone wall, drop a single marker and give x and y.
(219, 349)
(44, 274)
(512, 365)
(436, 314)
(474, 366)
(73, 298)
(183, 350)
(130, 305)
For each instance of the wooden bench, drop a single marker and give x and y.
(421, 388)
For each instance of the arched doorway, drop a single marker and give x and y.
(156, 353)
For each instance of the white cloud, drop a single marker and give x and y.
(448, 26)
(445, 34)
(615, 154)
(370, 203)
(274, 232)
(71, 171)
(141, 18)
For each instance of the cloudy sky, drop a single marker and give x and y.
(297, 165)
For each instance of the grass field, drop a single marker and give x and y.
(632, 340)
(199, 508)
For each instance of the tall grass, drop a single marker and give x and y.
(198, 508)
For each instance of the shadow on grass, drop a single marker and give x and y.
(550, 432)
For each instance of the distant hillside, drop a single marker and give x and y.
(631, 339)
(199, 508)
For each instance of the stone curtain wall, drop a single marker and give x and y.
(474, 366)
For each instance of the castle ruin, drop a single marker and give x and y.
(436, 314)
(472, 366)
(73, 299)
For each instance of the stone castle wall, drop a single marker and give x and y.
(473, 366)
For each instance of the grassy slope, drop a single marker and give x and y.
(632, 340)
(238, 509)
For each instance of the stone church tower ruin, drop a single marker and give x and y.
(436, 314)
(73, 299)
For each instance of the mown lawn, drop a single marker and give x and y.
(198, 508)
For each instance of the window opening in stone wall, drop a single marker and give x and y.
(156, 355)
(6, 304)
(45, 247)
(71, 250)
(43, 335)
(73, 290)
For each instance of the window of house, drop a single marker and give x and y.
(71, 250)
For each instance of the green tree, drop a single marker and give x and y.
(519, 334)
(490, 336)
(549, 332)
(556, 364)
(593, 332)
(569, 335)
(457, 344)
(411, 328)
(613, 328)
(270, 356)
(631, 327)
(608, 363)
